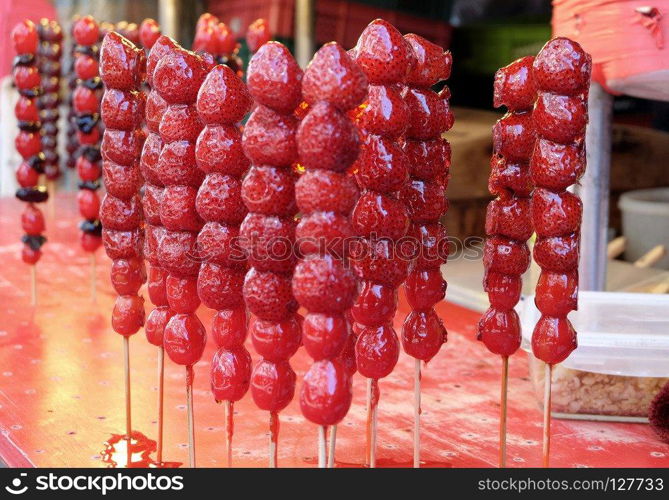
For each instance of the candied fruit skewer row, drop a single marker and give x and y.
(258, 34)
(28, 144)
(379, 218)
(86, 107)
(268, 231)
(323, 283)
(149, 33)
(215, 38)
(222, 103)
(561, 71)
(122, 68)
(428, 156)
(508, 219)
(71, 144)
(177, 78)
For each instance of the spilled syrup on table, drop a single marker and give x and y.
(115, 452)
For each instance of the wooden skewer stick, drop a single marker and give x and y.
(228, 431)
(33, 285)
(661, 287)
(322, 448)
(273, 436)
(547, 415)
(371, 425)
(191, 420)
(416, 414)
(161, 385)
(331, 449)
(502, 412)
(128, 399)
(92, 260)
(652, 257)
(616, 247)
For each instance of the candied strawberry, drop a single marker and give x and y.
(422, 334)
(326, 395)
(385, 112)
(122, 65)
(178, 76)
(326, 191)
(32, 221)
(428, 159)
(88, 203)
(85, 100)
(258, 34)
(513, 136)
(432, 63)
(182, 294)
(206, 19)
(507, 177)
(28, 143)
(272, 385)
(156, 322)
(154, 235)
(220, 287)
(560, 118)
(376, 304)
(27, 77)
(26, 109)
(220, 199)
(430, 113)
(121, 181)
(383, 54)
(269, 138)
(220, 243)
(275, 341)
(149, 32)
(325, 335)
(176, 165)
(89, 242)
(122, 110)
(156, 286)
(269, 242)
(128, 314)
(555, 214)
(553, 339)
(514, 85)
(269, 191)
(326, 139)
(177, 210)
(380, 215)
(322, 284)
(180, 123)
(177, 252)
(556, 166)
(27, 176)
(228, 328)
(205, 39)
(433, 244)
(122, 146)
(184, 339)
(269, 296)
(219, 149)
(120, 215)
(509, 217)
(324, 232)
(505, 256)
(558, 254)
(347, 356)
(563, 67)
(155, 109)
(164, 45)
(499, 330)
(274, 78)
(425, 288)
(90, 138)
(557, 293)
(377, 351)
(128, 276)
(503, 290)
(122, 244)
(86, 31)
(380, 261)
(149, 159)
(230, 374)
(334, 77)
(425, 200)
(25, 37)
(226, 43)
(223, 97)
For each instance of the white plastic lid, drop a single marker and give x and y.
(618, 333)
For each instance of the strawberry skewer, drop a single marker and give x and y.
(222, 103)
(149, 33)
(257, 34)
(562, 72)
(323, 283)
(508, 219)
(122, 68)
(268, 231)
(424, 196)
(379, 218)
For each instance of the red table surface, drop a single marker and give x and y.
(62, 397)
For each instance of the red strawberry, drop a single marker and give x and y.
(563, 67)
(423, 333)
(385, 112)
(154, 235)
(510, 217)
(177, 252)
(176, 165)
(149, 32)
(26, 110)
(322, 232)
(425, 200)
(500, 331)
(155, 109)
(163, 46)
(326, 191)
(219, 149)
(220, 243)
(377, 351)
(559, 254)
(177, 210)
(32, 221)
(258, 34)
(428, 159)
(25, 37)
(178, 77)
(322, 284)
(121, 146)
(180, 122)
(430, 113)
(269, 138)
(556, 166)
(269, 296)
(120, 215)
(274, 78)
(85, 100)
(93, 137)
(206, 39)
(503, 290)
(128, 314)
(122, 110)
(220, 199)
(376, 304)
(513, 136)
(184, 339)
(86, 31)
(272, 385)
(555, 214)
(156, 322)
(383, 54)
(432, 245)
(269, 242)
(326, 139)
(28, 143)
(226, 43)
(425, 288)
(270, 191)
(88, 170)
(325, 335)
(557, 293)
(220, 287)
(326, 395)
(507, 177)
(560, 118)
(228, 328)
(127, 276)
(206, 19)
(151, 201)
(380, 215)
(275, 341)
(432, 63)
(380, 261)
(122, 65)
(333, 77)
(27, 77)
(122, 244)
(553, 339)
(223, 97)
(149, 160)
(230, 374)
(122, 181)
(506, 256)
(514, 85)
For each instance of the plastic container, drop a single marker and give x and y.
(645, 222)
(621, 362)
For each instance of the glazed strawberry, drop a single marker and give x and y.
(223, 97)
(555, 214)
(180, 122)
(118, 214)
(178, 76)
(30, 256)
(323, 284)
(121, 181)
(385, 112)
(149, 32)
(434, 245)
(121, 110)
(325, 191)
(432, 63)
(27, 77)
(377, 351)
(257, 34)
(326, 393)
(219, 149)
(269, 296)
(122, 244)
(423, 333)
(556, 166)
(155, 324)
(427, 159)
(120, 146)
(226, 43)
(560, 118)
(274, 78)
(149, 159)
(177, 209)
(503, 290)
(127, 276)
(324, 232)
(499, 330)
(25, 37)
(430, 113)
(86, 31)
(380, 261)
(220, 199)
(553, 339)
(513, 136)
(268, 241)
(92, 138)
(272, 385)
(269, 191)
(85, 101)
(557, 293)
(26, 109)
(276, 341)
(177, 166)
(230, 374)
(122, 65)
(32, 221)
(333, 77)
(26, 176)
(425, 200)
(325, 336)
(380, 215)
(206, 19)
(376, 304)
(163, 46)
(229, 328)
(424, 289)
(562, 67)
(128, 314)
(184, 339)
(514, 85)
(269, 138)
(219, 287)
(154, 110)
(156, 283)
(507, 178)
(510, 217)
(558, 254)
(220, 243)
(505, 256)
